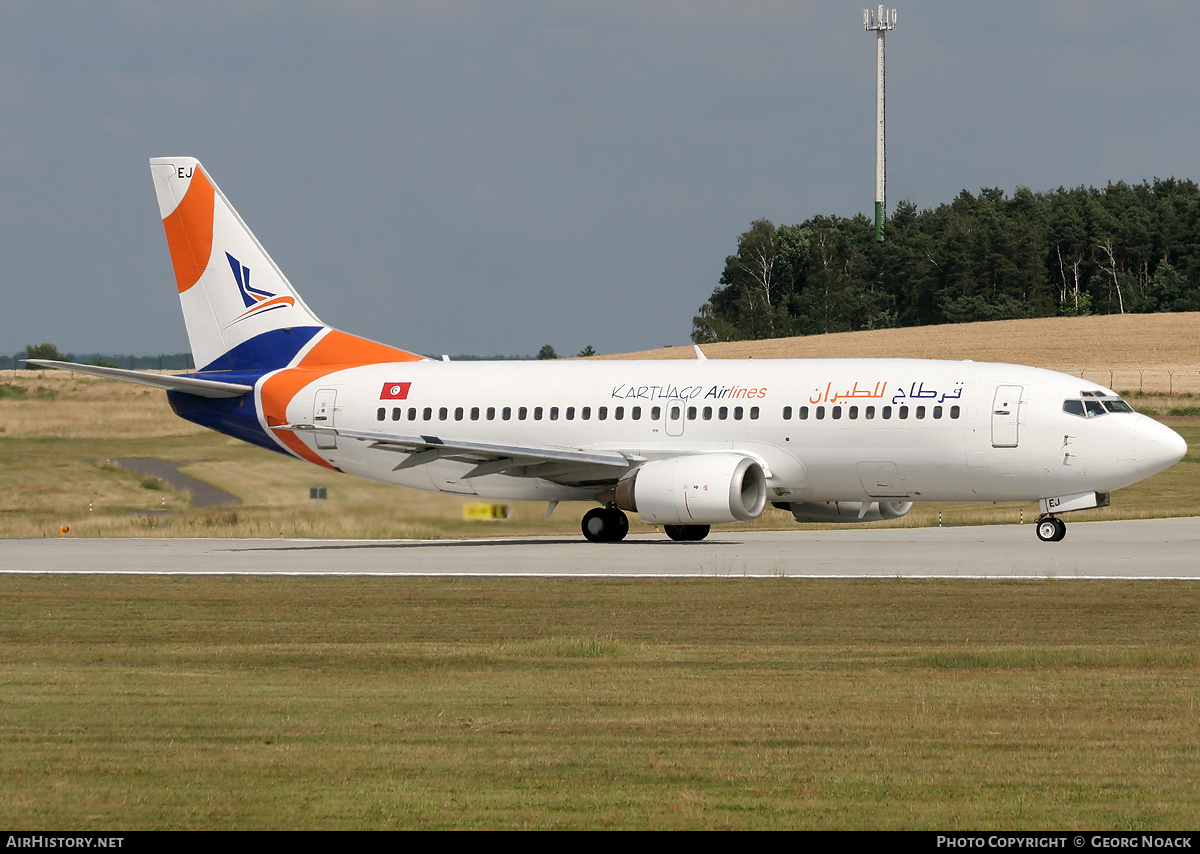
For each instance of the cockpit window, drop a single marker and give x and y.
(1090, 407)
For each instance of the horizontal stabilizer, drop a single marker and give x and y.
(189, 385)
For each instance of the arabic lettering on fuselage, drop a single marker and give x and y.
(687, 392)
(863, 391)
(919, 392)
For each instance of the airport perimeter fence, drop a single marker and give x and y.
(1171, 382)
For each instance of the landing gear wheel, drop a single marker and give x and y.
(1051, 529)
(605, 525)
(686, 533)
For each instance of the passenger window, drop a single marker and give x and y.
(954, 411)
(674, 413)
(655, 413)
(585, 413)
(920, 411)
(723, 413)
(458, 413)
(787, 413)
(835, 412)
(412, 414)
(427, 415)
(491, 413)
(887, 413)
(635, 413)
(618, 413)
(443, 414)
(537, 413)
(903, 412)
(937, 412)
(737, 413)
(602, 413)
(691, 413)
(395, 413)
(522, 413)
(753, 413)
(820, 413)
(380, 414)
(853, 412)
(869, 413)
(553, 413)
(570, 413)
(803, 413)
(474, 413)
(506, 413)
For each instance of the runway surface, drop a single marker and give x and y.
(1150, 549)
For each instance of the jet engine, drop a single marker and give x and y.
(846, 511)
(703, 489)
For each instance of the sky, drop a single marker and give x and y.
(488, 176)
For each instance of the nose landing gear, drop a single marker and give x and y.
(1051, 529)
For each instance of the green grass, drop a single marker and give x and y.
(525, 703)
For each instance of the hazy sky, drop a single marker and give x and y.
(487, 177)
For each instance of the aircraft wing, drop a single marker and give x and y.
(191, 385)
(561, 465)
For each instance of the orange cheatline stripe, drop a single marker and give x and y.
(340, 348)
(335, 351)
(190, 231)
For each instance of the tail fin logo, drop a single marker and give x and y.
(257, 301)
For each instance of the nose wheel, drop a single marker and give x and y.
(1051, 529)
(605, 525)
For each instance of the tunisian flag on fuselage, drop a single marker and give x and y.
(395, 391)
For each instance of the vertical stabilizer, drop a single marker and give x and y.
(240, 310)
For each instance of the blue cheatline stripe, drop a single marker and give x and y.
(267, 352)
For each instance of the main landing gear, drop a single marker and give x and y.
(686, 533)
(1051, 529)
(605, 524)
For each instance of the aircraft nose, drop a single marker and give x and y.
(1156, 446)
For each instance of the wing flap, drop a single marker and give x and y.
(489, 457)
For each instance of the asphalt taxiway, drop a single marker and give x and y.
(1144, 549)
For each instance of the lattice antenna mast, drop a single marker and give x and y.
(879, 22)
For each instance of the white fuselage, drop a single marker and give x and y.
(823, 430)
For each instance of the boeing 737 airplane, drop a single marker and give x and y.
(684, 444)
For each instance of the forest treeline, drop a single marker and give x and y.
(989, 256)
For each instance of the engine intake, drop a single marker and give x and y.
(702, 489)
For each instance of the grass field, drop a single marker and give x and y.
(524, 703)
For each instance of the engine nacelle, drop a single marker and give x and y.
(703, 489)
(846, 511)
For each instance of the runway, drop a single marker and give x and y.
(1150, 549)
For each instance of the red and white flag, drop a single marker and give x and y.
(395, 391)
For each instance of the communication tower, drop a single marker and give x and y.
(879, 22)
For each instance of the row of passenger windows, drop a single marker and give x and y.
(570, 413)
(618, 413)
(868, 412)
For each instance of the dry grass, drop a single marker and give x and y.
(1124, 344)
